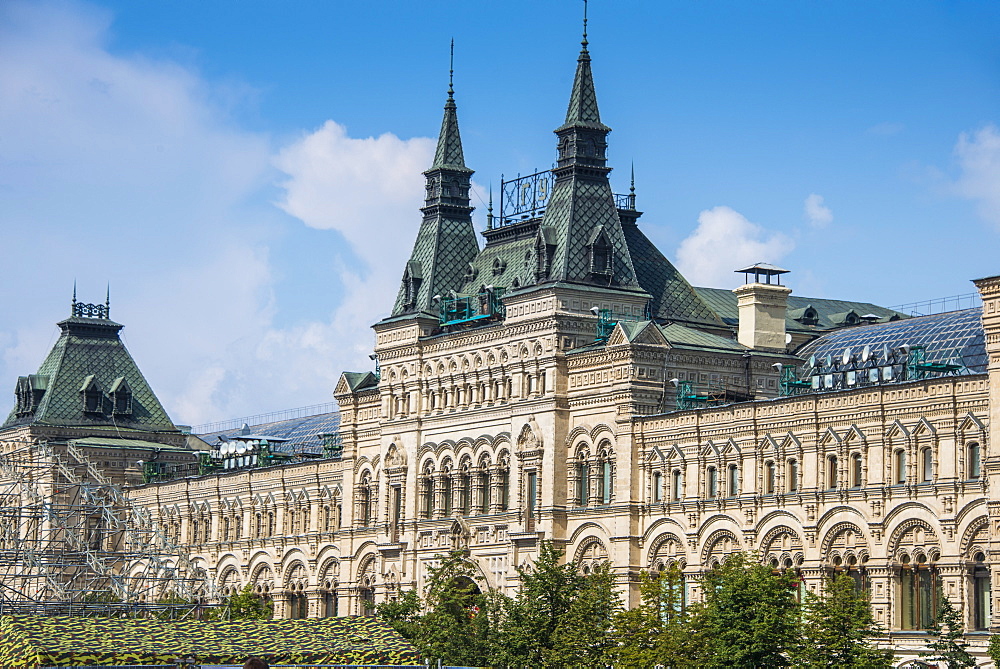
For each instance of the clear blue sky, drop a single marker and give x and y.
(247, 174)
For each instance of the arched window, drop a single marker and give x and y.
(733, 482)
(446, 493)
(605, 474)
(793, 475)
(769, 476)
(225, 529)
(677, 485)
(364, 499)
(657, 487)
(465, 492)
(856, 470)
(974, 459)
(712, 487)
(831, 471)
(427, 491)
(504, 485)
(607, 483)
(926, 465)
(485, 494)
(899, 466)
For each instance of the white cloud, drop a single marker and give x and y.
(723, 242)
(131, 170)
(978, 156)
(817, 214)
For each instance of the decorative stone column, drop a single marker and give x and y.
(989, 289)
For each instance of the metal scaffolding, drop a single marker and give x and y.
(71, 542)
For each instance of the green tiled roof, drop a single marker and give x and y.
(446, 241)
(360, 380)
(681, 336)
(673, 298)
(830, 313)
(91, 347)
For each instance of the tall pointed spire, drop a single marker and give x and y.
(582, 109)
(446, 242)
(449, 153)
(582, 228)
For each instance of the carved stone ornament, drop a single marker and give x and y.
(395, 457)
(529, 439)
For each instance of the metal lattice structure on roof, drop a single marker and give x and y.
(951, 343)
(307, 434)
(72, 543)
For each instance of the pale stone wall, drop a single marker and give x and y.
(493, 408)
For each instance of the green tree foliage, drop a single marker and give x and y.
(837, 629)
(456, 627)
(750, 615)
(247, 605)
(560, 617)
(452, 621)
(659, 629)
(403, 614)
(948, 646)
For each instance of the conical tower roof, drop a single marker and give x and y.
(446, 242)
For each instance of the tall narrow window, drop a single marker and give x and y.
(583, 486)
(919, 593)
(733, 484)
(981, 591)
(793, 475)
(426, 496)
(657, 487)
(484, 492)
(465, 481)
(532, 493)
(606, 482)
(769, 478)
(713, 483)
(676, 486)
(974, 461)
(504, 489)
(899, 466)
(856, 470)
(831, 471)
(446, 494)
(926, 465)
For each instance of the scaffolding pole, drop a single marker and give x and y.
(71, 542)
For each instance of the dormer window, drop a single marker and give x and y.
(29, 392)
(545, 249)
(600, 251)
(121, 397)
(92, 396)
(411, 284)
(499, 266)
(806, 316)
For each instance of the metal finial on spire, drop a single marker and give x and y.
(107, 298)
(631, 189)
(451, 70)
(584, 42)
(74, 291)
(489, 210)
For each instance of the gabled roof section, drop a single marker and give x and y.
(637, 332)
(672, 297)
(89, 357)
(355, 381)
(680, 336)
